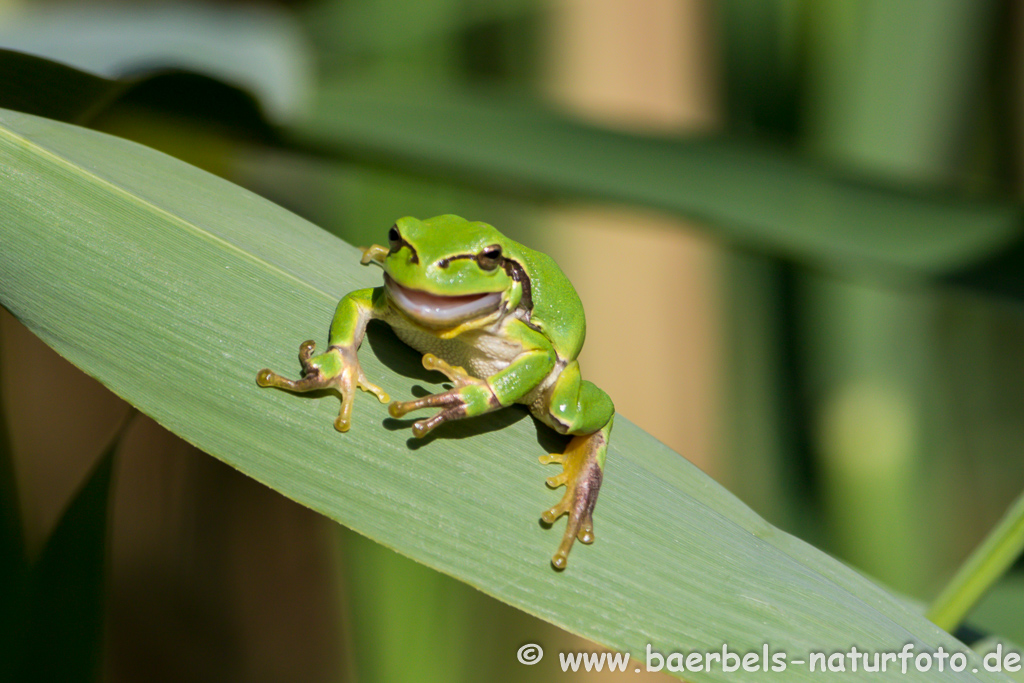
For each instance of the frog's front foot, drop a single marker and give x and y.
(471, 396)
(338, 369)
(581, 474)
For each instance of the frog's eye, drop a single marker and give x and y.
(490, 257)
(394, 238)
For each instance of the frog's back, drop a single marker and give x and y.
(556, 308)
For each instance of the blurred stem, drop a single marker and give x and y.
(890, 92)
(981, 570)
(761, 48)
(765, 435)
(409, 623)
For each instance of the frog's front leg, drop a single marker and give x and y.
(337, 368)
(579, 408)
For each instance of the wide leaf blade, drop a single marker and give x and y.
(173, 287)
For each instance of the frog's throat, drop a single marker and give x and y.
(440, 312)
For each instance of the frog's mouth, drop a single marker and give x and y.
(437, 310)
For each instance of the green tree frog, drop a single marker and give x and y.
(501, 321)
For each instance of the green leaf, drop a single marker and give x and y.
(174, 287)
(45, 88)
(1002, 655)
(754, 195)
(260, 49)
(35, 85)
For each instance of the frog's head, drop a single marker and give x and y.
(448, 271)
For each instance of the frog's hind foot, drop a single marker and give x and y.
(581, 474)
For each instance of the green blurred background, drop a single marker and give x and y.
(869, 401)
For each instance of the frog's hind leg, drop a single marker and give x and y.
(579, 408)
(582, 472)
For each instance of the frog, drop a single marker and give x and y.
(501, 322)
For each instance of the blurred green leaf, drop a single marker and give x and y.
(36, 85)
(754, 195)
(39, 86)
(260, 48)
(173, 287)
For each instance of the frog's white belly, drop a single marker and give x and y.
(481, 352)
